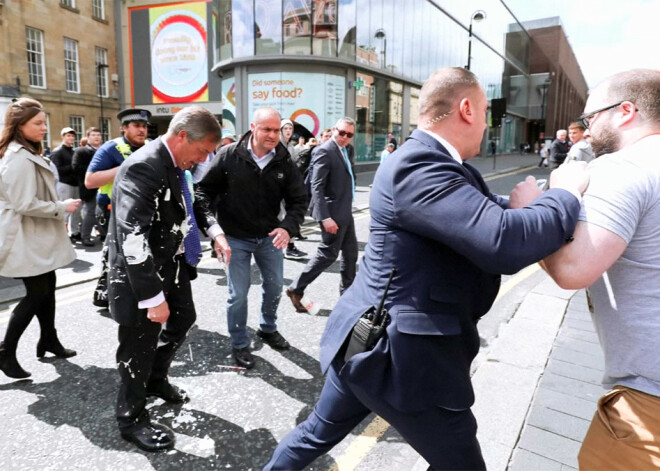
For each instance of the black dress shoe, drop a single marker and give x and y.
(100, 299)
(151, 437)
(274, 339)
(166, 391)
(243, 357)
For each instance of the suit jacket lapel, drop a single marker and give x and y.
(172, 178)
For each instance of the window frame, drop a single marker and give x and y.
(75, 71)
(98, 6)
(101, 58)
(78, 127)
(38, 68)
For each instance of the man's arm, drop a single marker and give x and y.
(100, 178)
(579, 264)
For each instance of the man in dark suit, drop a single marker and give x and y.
(154, 246)
(434, 220)
(333, 189)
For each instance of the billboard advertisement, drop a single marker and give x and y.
(316, 101)
(171, 56)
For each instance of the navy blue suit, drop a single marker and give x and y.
(449, 238)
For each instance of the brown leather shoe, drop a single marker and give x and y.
(295, 300)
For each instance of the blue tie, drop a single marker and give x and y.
(191, 243)
(350, 172)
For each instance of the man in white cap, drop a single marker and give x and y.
(67, 187)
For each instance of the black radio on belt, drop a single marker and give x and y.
(370, 327)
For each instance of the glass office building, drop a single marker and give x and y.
(318, 60)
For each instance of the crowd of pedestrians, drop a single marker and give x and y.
(439, 242)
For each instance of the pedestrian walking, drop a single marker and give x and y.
(333, 190)
(32, 230)
(286, 132)
(441, 237)
(237, 203)
(82, 157)
(559, 148)
(615, 254)
(67, 187)
(154, 247)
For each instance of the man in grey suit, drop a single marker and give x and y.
(332, 191)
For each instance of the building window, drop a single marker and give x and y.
(101, 56)
(78, 125)
(297, 26)
(68, 3)
(35, 57)
(46, 141)
(104, 126)
(71, 65)
(98, 9)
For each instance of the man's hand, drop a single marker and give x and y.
(572, 176)
(524, 193)
(159, 313)
(330, 226)
(222, 249)
(281, 239)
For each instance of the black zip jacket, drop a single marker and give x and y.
(244, 199)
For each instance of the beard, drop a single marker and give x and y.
(607, 142)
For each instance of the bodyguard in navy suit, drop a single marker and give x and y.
(435, 221)
(332, 188)
(153, 250)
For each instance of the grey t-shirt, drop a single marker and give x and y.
(624, 198)
(580, 151)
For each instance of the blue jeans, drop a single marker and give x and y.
(271, 265)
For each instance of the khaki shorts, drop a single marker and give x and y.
(624, 433)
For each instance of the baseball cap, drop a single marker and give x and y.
(67, 130)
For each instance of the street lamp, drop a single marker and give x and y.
(99, 71)
(476, 16)
(380, 34)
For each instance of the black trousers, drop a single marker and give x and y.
(147, 349)
(39, 301)
(327, 252)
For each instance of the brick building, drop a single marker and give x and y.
(62, 53)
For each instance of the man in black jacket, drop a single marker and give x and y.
(82, 156)
(67, 186)
(245, 184)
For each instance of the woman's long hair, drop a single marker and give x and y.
(20, 112)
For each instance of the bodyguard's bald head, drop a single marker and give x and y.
(442, 92)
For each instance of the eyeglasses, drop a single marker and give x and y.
(585, 119)
(344, 133)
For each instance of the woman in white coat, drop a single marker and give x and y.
(33, 237)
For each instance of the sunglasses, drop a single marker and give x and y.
(585, 119)
(345, 134)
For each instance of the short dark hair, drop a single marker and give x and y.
(91, 130)
(576, 125)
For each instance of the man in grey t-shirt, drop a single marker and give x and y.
(616, 253)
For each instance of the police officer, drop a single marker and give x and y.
(101, 174)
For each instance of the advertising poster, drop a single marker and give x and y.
(229, 105)
(315, 101)
(179, 65)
